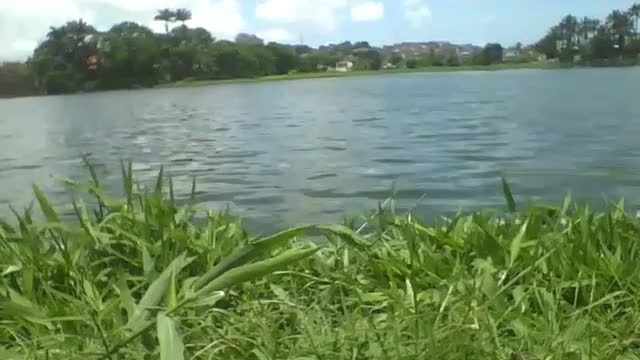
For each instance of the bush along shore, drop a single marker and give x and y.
(145, 278)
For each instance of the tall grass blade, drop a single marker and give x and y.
(127, 181)
(85, 222)
(172, 196)
(249, 253)
(256, 270)
(92, 171)
(157, 290)
(159, 180)
(508, 196)
(172, 292)
(48, 211)
(516, 244)
(347, 235)
(171, 345)
(193, 189)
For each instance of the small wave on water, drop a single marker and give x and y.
(306, 151)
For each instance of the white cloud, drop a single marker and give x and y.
(367, 11)
(417, 12)
(276, 34)
(24, 23)
(321, 15)
(141, 5)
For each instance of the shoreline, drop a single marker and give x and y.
(334, 75)
(337, 75)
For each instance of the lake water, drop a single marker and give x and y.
(284, 153)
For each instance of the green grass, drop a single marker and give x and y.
(145, 278)
(324, 75)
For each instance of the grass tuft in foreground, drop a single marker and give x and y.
(143, 278)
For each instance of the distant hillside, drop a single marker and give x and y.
(406, 49)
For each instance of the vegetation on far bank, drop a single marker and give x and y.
(76, 57)
(143, 277)
(330, 75)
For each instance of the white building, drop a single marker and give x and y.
(344, 66)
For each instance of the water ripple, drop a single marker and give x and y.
(287, 153)
(320, 177)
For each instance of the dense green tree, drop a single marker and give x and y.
(128, 61)
(634, 14)
(60, 61)
(548, 44)
(197, 37)
(396, 59)
(130, 29)
(587, 29)
(316, 61)
(621, 26)
(602, 46)
(235, 61)
(569, 30)
(492, 54)
(593, 41)
(16, 79)
(266, 58)
(302, 49)
(361, 45)
(285, 58)
(518, 46)
(368, 59)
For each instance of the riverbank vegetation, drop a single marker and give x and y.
(329, 75)
(76, 57)
(614, 40)
(144, 277)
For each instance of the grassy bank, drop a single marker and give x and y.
(144, 278)
(323, 75)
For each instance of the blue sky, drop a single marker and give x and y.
(460, 21)
(24, 22)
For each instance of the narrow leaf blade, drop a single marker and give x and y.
(516, 243)
(256, 270)
(171, 345)
(508, 196)
(45, 205)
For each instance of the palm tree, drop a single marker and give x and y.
(183, 15)
(55, 33)
(634, 12)
(569, 30)
(57, 43)
(620, 25)
(166, 15)
(588, 28)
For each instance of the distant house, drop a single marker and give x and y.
(344, 66)
(510, 55)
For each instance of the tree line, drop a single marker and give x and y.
(614, 40)
(76, 57)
